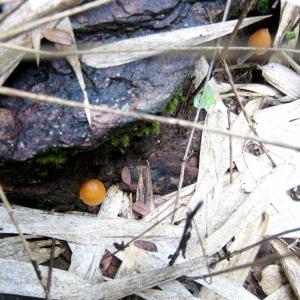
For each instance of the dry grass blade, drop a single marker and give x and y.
(51, 54)
(193, 36)
(69, 12)
(66, 26)
(140, 116)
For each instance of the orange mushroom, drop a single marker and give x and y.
(92, 192)
(260, 39)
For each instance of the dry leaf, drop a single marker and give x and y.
(109, 265)
(141, 208)
(283, 78)
(58, 36)
(145, 245)
(272, 279)
(122, 52)
(126, 176)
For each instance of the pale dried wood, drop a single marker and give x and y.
(291, 265)
(285, 292)
(12, 248)
(137, 260)
(84, 229)
(201, 69)
(86, 259)
(281, 122)
(283, 215)
(212, 167)
(228, 289)
(256, 88)
(18, 278)
(119, 288)
(288, 17)
(252, 208)
(142, 45)
(272, 279)
(284, 79)
(164, 295)
(241, 124)
(251, 234)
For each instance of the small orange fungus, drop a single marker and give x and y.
(92, 192)
(261, 39)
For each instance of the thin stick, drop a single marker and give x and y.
(263, 241)
(230, 149)
(140, 116)
(261, 261)
(34, 24)
(244, 13)
(140, 49)
(33, 261)
(49, 278)
(250, 123)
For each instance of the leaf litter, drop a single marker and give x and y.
(236, 213)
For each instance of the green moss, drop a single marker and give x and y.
(55, 157)
(152, 129)
(125, 141)
(175, 101)
(114, 141)
(121, 140)
(262, 6)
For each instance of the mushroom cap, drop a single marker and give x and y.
(262, 39)
(92, 192)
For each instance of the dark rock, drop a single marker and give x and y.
(146, 85)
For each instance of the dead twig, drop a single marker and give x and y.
(140, 116)
(260, 261)
(186, 235)
(250, 123)
(230, 149)
(244, 13)
(49, 278)
(57, 54)
(259, 243)
(33, 261)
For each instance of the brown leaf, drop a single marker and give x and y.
(126, 176)
(109, 265)
(146, 245)
(58, 36)
(141, 208)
